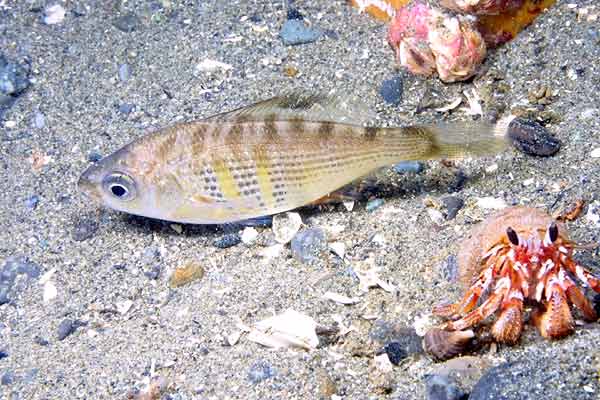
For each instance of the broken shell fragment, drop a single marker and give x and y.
(426, 39)
(442, 345)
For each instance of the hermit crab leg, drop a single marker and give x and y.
(469, 300)
(556, 320)
(488, 307)
(582, 274)
(508, 326)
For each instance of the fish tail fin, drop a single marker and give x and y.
(462, 139)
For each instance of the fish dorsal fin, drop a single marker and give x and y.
(307, 106)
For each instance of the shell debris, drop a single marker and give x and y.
(291, 329)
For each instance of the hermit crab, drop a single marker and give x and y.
(517, 257)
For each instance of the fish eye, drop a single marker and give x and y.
(120, 186)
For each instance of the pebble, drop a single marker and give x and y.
(126, 108)
(84, 229)
(414, 167)
(309, 245)
(14, 78)
(54, 14)
(293, 13)
(32, 202)
(124, 72)
(395, 352)
(285, 226)
(228, 240)
(39, 120)
(65, 328)
(13, 266)
(531, 138)
(327, 387)
(127, 23)
(597, 304)
(187, 273)
(249, 235)
(449, 269)
(373, 205)
(387, 332)
(153, 273)
(438, 387)
(391, 90)
(41, 341)
(94, 156)
(453, 205)
(3, 354)
(595, 153)
(294, 32)
(259, 371)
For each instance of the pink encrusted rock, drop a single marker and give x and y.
(427, 40)
(481, 7)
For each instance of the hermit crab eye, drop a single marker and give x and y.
(120, 186)
(512, 236)
(553, 232)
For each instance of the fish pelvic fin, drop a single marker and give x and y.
(462, 139)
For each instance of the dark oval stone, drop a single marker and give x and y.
(453, 205)
(84, 229)
(392, 90)
(531, 138)
(229, 240)
(395, 352)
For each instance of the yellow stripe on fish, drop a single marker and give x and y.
(274, 156)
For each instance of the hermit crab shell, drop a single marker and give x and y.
(442, 345)
(481, 7)
(523, 220)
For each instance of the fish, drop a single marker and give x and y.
(270, 157)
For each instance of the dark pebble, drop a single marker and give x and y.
(294, 32)
(440, 388)
(449, 269)
(229, 240)
(374, 204)
(154, 272)
(126, 108)
(119, 267)
(4, 290)
(127, 23)
(84, 229)
(259, 371)
(32, 202)
(14, 78)
(65, 328)
(3, 354)
(453, 205)
(414, 167)
(293, 13)
(395, 352)
(7, 378)
(460, 178)
(531, 138)
(391, 90)
(150, 255)
(41, 341)
(308, 246)
(387, 332)
(94, 156)
(597, 304)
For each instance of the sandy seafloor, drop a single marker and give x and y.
(179, 334)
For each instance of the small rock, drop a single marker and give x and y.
(4, 291)
(126, 108)
(84, 229)
(531, 138)
(54, 14)
(449, 269)
(39, 121)
(327, 387)
(436, 216)
(387, 332)
(94, 156)
(294, 32)
(153, 273)
(309, 245)
(395, 352)
(595, 153)
(32, 202)
(391, 90)
(228, 240)
(41, 341)
(150, 255)
(65, 328)
(249, 235)
(3, 354)
(124, 72)
(597, 304)
(123, 306)
(127, 23)
(373, 205)
(119, 267)
(185, 274)
(14, 78)
(414, 167)
(593, 213)
(259, 371)
(453, 205)
(285, 226)
(7, 378)
(440, 388)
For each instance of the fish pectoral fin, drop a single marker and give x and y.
(299, 105)
(201, 199)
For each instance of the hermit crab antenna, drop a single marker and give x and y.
(551, 233)
(512, 236)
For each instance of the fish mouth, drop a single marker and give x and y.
(86, 185)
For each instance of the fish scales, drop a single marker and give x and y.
(263, 160)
